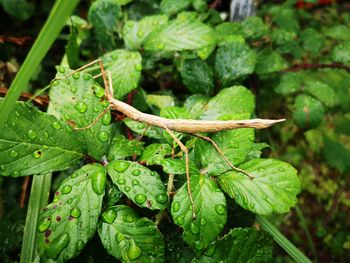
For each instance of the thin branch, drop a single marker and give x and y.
(24, 191)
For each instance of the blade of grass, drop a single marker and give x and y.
(282, 241)
(52, 27)
(38, 199)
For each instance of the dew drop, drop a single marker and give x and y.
(180, 220)
(44, 224)
(210, 251)
(57, 246)
(56, 125)
(220, 209)
(70, 200)
(134, 251)
(281, 169)
(203, 222)
(198, 245)
(121, 181)
(160, 46)
(140, 198)
(80, 245)
(56, 83)
(86, 77)
(233, 144)
(76, 75)
(31, 134)
(109, 216)
(98, 91)
(175, 206)
(127, 188)
(46, 135)
(36, 154)
(121, 166)
(61, 69)
(219, 139)
(81, 107)
(15, 173)
(162, 198)
(135, 182)
(136, 172)
(98, 181)
(106, 119)
(153, 173)
(73, 89)
(194, 228)
(103, 136)
(13, 153)
(140, 33)
(105, 103)
(17, 114)
(120, 237)
(2, 167)
(75, 212)
(66, 189)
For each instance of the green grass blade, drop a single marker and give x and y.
(282, 241)
(38, 199)
(55, 22)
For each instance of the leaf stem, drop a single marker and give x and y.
(282, 241)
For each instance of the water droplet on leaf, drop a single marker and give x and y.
(136, 172)
(81, 107)
(135, 182)
(198, 245)
(121, 166)
(220, 209)
(194, 228)
(66, 189)
(31, 134)
(80, 245)
(121, 181)
(13, 153)
(56, 125)
(36, 154)
(162, 198)
(140, 198)
(75, 212)
(175, 206)
(57, 246)
(98, 182)
(180, 220)
(44, 224)
(76, 75)
(103, 136)
(109, 216)
(134, 251)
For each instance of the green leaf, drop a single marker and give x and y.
(70, 220)
(155, 153)
(125, 67)
(341, 53)
(270, 62)
(104, 15)
(141, 128)
(235, 145)
(308, 112)
(143, 186)
(256, 150)
(240, 245)
(321, 91)
(33, 142)
(175, 113)
(196, 105)
(20, 9)
(312, 41)
(181, 34)
(160, 101)
(233, 100)
(233, 61)
(210, 215)
(121, 147)
(130, 238)
(290, 82)
(197, 76)
(78, 100)
(272, 189)
(338, 32)
(177, 166)
(229, 32)
(336, 155)
(135, 33)
(170, 7)
(253, 27)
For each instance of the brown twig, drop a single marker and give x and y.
(39, 100)
(24, 191)
(16, 40)
(317, 66)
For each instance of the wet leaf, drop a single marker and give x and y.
(143, 186)
(210, 215)
(33, 142)
(130, 238)
(272, 189)
(66, 224)
(308, 112)
(121, 147)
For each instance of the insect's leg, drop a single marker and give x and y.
(223, 155)
(81, 68)
(185, 150)
(95, 121)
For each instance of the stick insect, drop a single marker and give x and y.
(192, 127)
